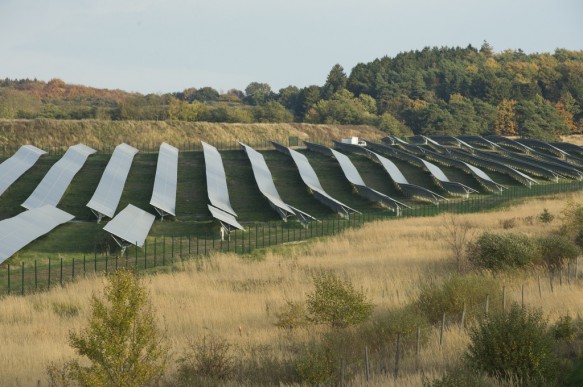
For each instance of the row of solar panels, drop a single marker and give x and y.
(132, 225)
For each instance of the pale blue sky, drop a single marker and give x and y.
(156, 46)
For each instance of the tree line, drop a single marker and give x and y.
(436, 90)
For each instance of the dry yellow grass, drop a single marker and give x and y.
(237, 298)
(56, 133)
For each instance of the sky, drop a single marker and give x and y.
(160, 46)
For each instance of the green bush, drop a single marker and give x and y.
(318, 365)
(292, 316)
(385, 327)
(546, 216)
(500, 251)
(122, 343)
(555, 250)
(335, 302)
(514, 346)
(460, 376)
(206, 361)
(450, 296)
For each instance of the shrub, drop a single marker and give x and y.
(122, 343)
(292, 316)
(450, 296)
(556, 249)
(500, 251)
(514, 345)
(546, 216)
(205, 361)
(317, 365)
(335, 302)
(460, 376)
(385, 327)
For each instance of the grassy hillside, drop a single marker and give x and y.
(389, 260)
(47, 134)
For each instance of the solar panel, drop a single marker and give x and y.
(228, 221)
(164, 193)
(55, 183)
(106, 197)
(266, 186)
(19, 231)
(310, 179)
(14, 167)
(216, 180)
(130, 226)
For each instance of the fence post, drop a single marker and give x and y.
(35, 277)
(418, 347)
(503, 298)
(398, 356)
(22, 278)
(366, 363)
(441, 331)
(73, 269)
(462, 323)
(49, 276)
(487, 304)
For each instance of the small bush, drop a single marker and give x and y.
(546, 216)
(555, 250)
(508, 223)
(292, 316)
(500, 251)
(460, 376)
(65, 310)
(453, 293)
(336, 302)
(385, 327)
(514, 346)
(565, 328)
(205, 361)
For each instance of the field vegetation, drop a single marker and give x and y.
(230, 307)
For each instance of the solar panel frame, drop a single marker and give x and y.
(216, 179)
(108, 193)
(227, 220)
(310, 179)
(132, 225)
(54, 184)
(164, 192)
(24, 228)
(266, 185)
(16, 165)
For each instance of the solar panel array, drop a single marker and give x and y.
(310, 179)
(164, 192)
(266, 186)
(411, 190)
(55, 183)
(19, 231)
(452, 187)
(353, 176)
(131, 226)
(106, 197)
(15, 166)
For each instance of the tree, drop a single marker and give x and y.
(258, 93)
(335, 302)
(506, 124)
(205, 94)
(122, 342)
(335, 82)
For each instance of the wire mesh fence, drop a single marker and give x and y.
(164, 251)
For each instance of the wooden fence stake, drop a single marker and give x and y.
(442, 329)
(504, 298)
(540, 293)
(398, 356)
(462, 323)
(366, 363)
(487, 304)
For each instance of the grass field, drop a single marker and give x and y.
(237, 297)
